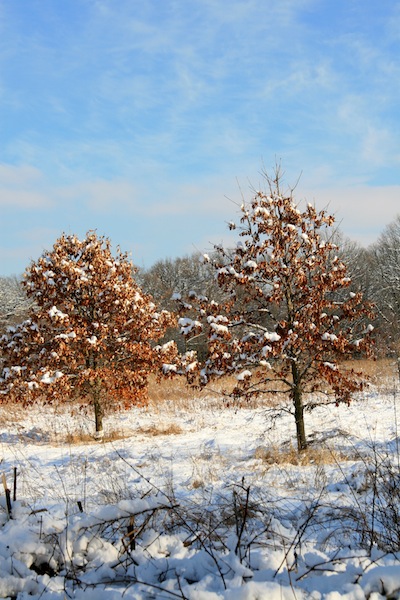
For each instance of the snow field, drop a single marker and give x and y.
(206, 504)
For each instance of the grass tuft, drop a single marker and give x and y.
(82, 437)
(310, 456)
(155, 430)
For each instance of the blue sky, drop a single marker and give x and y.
(149, 119)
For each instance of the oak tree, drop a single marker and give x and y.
(90, 333)
(290, 320)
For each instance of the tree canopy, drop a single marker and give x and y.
(90, 333)
(290, 320)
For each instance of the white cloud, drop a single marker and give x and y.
(368, 133)
(22, 187)
(362, 212)
(102, 197)
(19, 199)
(18, 175)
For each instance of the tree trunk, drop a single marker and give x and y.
(298, 409)
(98, 409)
(98, 416)
(299, 417)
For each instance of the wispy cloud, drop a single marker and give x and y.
(362, 212)
(22, 187)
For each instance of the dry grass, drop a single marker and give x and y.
(176, 395)
(207, 467)
(179, 395)
(170, 390)
(82, 437)
(376, 369)
(10, 414)
(311, 456)
(168, 398)
(155, 430)
(382, 373)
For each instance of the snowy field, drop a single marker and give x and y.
(203, 503)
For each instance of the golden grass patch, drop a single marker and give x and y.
(179, 395)
(155, 430)
(381, 373)
(310, 456)
(75, 438)
(11, 413)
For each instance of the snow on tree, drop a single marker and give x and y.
(290, 320)
(181, 274)
(90, 334)
(168, 277)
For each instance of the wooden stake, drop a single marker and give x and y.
(131, 533)
(8, 497)
(15, 485)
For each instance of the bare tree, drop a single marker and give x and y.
(291, 319)
(359, 264)
(185, 275)
(14, 302)
(385, 270)
(90, 334)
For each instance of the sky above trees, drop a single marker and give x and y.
(147, 121)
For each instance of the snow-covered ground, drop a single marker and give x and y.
(203, 504)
